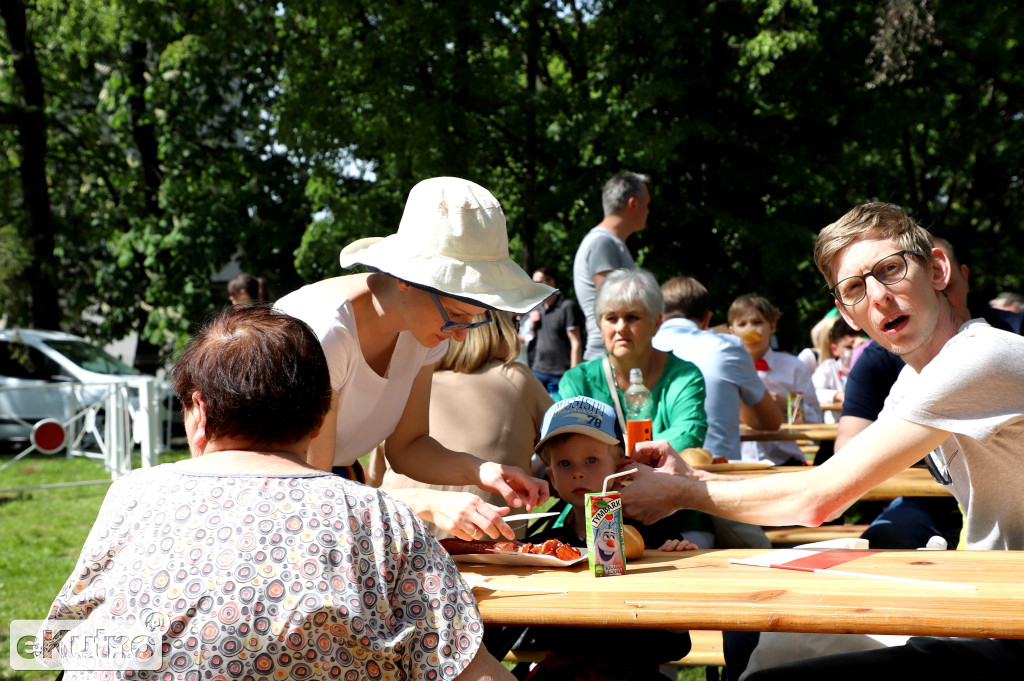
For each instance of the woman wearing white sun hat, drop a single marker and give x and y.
(382, 332)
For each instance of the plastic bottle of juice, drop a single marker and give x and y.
(639, 410)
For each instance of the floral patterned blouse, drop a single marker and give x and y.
(272, 577)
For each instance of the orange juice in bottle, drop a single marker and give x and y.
(639, 409)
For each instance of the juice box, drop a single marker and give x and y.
(637, 430)
(605, 541)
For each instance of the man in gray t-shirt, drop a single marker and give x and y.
(625, 199)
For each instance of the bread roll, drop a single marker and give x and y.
(697, 456)
(634, 542)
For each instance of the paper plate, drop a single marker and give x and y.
(534, 559)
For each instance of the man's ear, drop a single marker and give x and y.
(706, 324)
(941, 269)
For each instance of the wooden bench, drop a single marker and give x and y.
(705, 651)
(792, 536)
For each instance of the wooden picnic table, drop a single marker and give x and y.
(796, 432)
(702, 590)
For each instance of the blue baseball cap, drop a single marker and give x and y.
(583, 415)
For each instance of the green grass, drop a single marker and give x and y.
(42, 532)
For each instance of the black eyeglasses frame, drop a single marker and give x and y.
(451, 327)
(864, 277)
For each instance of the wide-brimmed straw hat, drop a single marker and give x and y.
(452, 241)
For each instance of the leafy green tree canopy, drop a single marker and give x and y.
(177, 136)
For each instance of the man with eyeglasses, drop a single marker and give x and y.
(962, 394)
(908, 522)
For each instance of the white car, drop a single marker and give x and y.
(50, 374)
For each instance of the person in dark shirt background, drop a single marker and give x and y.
(558, 327)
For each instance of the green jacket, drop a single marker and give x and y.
(678, 398)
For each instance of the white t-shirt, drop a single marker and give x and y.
(974, 388)
(828, 382)
(785, 374)
(369, 405)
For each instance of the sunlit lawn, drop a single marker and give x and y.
(41, 534)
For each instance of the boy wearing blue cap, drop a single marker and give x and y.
(581, 445)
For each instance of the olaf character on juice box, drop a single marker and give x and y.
(605, 543)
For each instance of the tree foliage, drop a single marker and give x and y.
(181, 133)
(160, 163)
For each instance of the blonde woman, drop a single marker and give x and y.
(480, 383)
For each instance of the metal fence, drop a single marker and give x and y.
(103, 421)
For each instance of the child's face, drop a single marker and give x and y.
(845, 343)
(755, 331)
(579, 465)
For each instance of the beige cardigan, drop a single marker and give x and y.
(494, 413)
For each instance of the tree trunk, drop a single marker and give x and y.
(528, 225)
(147, 354)
(31, 120)
(142, 131)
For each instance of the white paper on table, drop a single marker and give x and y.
(481, 582)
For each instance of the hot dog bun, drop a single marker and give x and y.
(697, 456)
(634, 542)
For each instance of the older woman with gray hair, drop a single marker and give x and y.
(629, 308)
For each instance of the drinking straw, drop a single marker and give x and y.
(604, 490)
